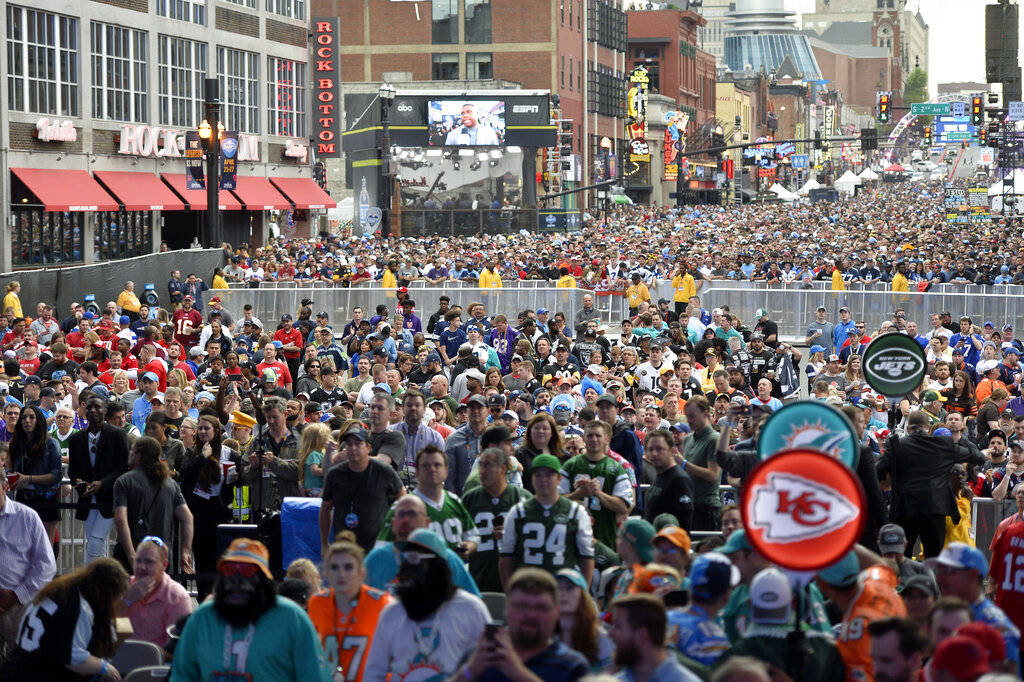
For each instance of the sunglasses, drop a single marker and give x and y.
(242, 569)
(155, 540)
(416, 558)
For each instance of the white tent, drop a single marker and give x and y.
(1011, 184)
(782, 193)
(808, 186)
(846, 182)
(868, 174)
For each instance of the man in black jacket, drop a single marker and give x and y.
(919, 468)
(97, 456)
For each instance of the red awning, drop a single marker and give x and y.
(66, 190)
(140, 191)
(196, 198)
(259, 195)
(304, 193)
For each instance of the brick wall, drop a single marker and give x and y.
(395, 22)
(137, 5)
(23, 136)
(238, 22)
(532, 69)
(280, 32)
(417, 64)
(103, 142)
(351, 66)
(520, 21)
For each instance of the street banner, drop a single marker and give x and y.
(813, 425)
(194, 177)
(802, 509)
(228, 159)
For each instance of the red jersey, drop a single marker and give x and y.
(157, 366)
(347, 638)
(1007, 570)
(29, 366)
(290, 338)
(187, 324)
(10, 338)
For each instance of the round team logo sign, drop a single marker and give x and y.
(811, 425)
(894, 364)
(802, 509)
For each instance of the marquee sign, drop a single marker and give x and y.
(326, 74)
(636, 115)
(55, 131)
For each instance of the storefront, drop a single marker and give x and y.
(95, 194)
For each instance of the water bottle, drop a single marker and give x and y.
(364, 203)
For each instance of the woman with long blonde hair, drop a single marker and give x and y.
(312, 448)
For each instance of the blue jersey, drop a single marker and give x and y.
(451, 340)
(965, 342)
(697, 636)
(986, 611)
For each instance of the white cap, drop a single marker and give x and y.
(771, 597)
(594, 369)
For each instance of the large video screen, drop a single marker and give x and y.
(466, 123)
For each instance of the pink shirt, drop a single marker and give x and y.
(153, 614)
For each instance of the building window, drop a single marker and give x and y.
(239, 74)
(182, 10)
(650, 58)
(479, 66)
(478, 21)
(609, 92)
(181, 68)
(445, 17)
(251, 4)
(286, 97)
(119, 73)
(562, 84)
(606, 25)
(42, 62)
(41, 237)
(294, 9)
(123, 234)
(570, 73)
(445, 67)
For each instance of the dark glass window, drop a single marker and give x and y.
(445, 67)
(445, 16)
(478, 21)
(479, 66)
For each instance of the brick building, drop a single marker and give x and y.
(100, 95)
(574, 48)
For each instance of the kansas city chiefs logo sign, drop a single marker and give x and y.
(790, 508)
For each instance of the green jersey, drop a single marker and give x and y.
(612, 478)
(449, 520)
(551, 538)
(488, 512)
(735, 617)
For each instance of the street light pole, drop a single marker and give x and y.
(212, 113)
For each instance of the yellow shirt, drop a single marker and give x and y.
(637, 294)
(567, 282)
(961, 532)
(11, 300)
(837, 281)
(490, 279)
(219, 283)
(900, 283)
(389, 281)
(685, 286)
(128, 301)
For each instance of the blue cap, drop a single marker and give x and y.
(423, 538)
(89, 315)
(960, 555)
(11, 400)
(988, 324)
(277, 344)
(711, 575)
(383, 387)
(563, 401)
(123, 320)
(205, 394)
(542, 311)
(942, 432)
(150, 376)
(472, 327)
(817, 349)
(843, 573)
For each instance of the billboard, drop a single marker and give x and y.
(966, 205)
(326, 75)
(466, 123)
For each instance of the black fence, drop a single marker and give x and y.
(466, 222)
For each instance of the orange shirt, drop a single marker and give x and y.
(347, 638)
(875, 599)
(985, 388)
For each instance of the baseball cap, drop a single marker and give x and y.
(817, 349)
(737, 541)
(989, 637)
(29, 381)
(844, 308)
(573, 576)
(843, 573)
(424, 538)
(640, 535)
(833, 358)
(205, 395)
(382, 387)
(607, 398)
(215, 299)
(286, 317)
(433, 357)
(925, 583)
(931, 396)
(962, 656)
(760, 312)
(510, 414)
(246, 551)
(711, 575)
(545, 462)
(150, 376)
(542, 311)
(676, 535)
(357, 432)
(892, 538)
(477, 400)
(594, 369)
(157, 398)
(821, 307)
(771, 597)
(496, 400)
(648, 579)
(960, 555)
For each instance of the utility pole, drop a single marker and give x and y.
(212, 108)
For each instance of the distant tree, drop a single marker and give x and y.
(916, 89)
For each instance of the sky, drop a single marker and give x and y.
(956, 38)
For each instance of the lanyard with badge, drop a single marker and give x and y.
(240, 650)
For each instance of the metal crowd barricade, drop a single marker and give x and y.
(269, 303)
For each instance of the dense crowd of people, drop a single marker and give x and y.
(510, 497)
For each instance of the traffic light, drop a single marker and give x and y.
(717, 142)
(928, 136)
(977, 113)
(982, 137)
(883, 108)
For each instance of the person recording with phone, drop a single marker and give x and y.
(525, 649)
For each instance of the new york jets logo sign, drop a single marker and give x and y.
(894, 364)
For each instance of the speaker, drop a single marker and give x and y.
(1001, 28)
